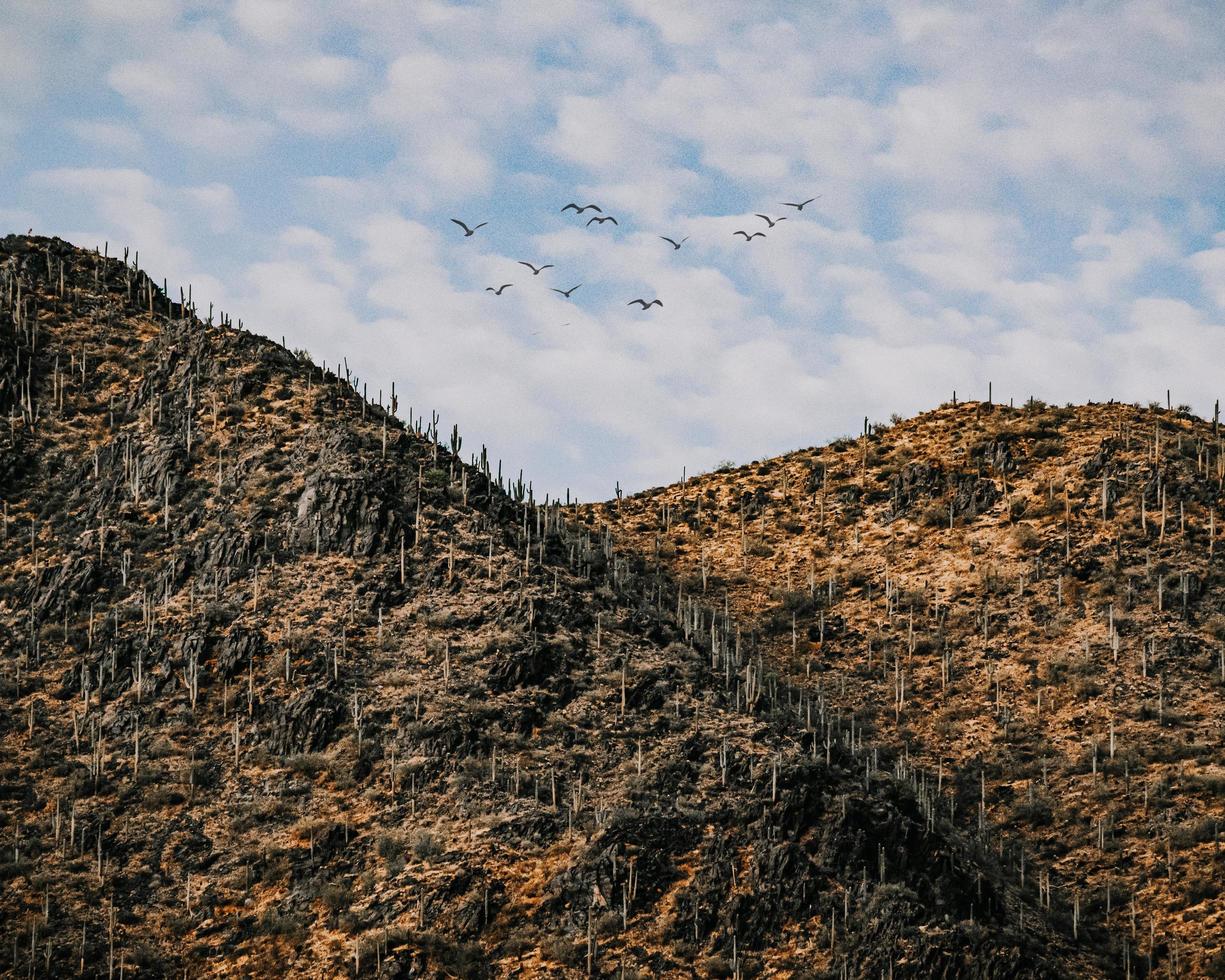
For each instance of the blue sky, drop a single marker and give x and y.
(1027, 193)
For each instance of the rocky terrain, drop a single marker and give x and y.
(291, 687)
(1030, 600)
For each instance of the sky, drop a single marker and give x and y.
(1028, 194)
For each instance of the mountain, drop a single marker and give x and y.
(291, 687)
(1029, 600)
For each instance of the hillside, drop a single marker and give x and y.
(1030, 601)
(289, 688)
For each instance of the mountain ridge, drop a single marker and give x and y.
(1029, 596)
(294, 688)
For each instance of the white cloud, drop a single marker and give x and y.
(216, 205)
(602, 136)
(961, 249)
(270, 21)
(129, 208)
(1004, 196)
(1198, 105)
(103, 134)
(1209, 265)
(1170, 345)
(1113, 259)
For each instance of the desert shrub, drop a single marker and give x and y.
(1036, 812)
(716, 966)
(856, 574)
(1202, 890)
(391, 849)
(1056, 669)
(276, 923)
(424, 845)
(307, 764)
(335, 896)
(915, 599)
(607, 924)
(1193, 832)
(934, 514)
(796, 601)
(1086, 686)
(163, 796)
(562, 950)
(1213, 783)
(1025, 538)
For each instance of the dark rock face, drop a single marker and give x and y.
(1100, 460)
(915, 481)
(63, 586)
(306, 722)
(239, 648)
(349, 513)
(973, 496)
(996, 455)
(531, 667)
(969, 495)
(9, 381)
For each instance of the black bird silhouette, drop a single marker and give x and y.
(566, 292)
(602, 220)
(747, 236)
(585, 207)
(770, 221)
(645, 305)
(536, 271)
(800, 206)
(674, 244)
(469, 232)
(498, 291)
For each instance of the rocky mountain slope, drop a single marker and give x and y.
(288, 687)
(1029, 600)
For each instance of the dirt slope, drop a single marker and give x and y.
(956, 583)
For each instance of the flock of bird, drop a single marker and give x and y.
(600, 218)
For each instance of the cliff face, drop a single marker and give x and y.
(1030, 601)
(289, 688)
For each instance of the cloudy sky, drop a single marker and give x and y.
(1028, 193)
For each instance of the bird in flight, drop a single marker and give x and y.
(498, 291)
(566, 292)
(675, 245)
(800, 206)
(770, 221)
(536, 271)
(645, 305)
(469, 232)
(748, 237)
(585, 207)
(602, 220)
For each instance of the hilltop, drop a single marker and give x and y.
(1029, 600)
(292, 687)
